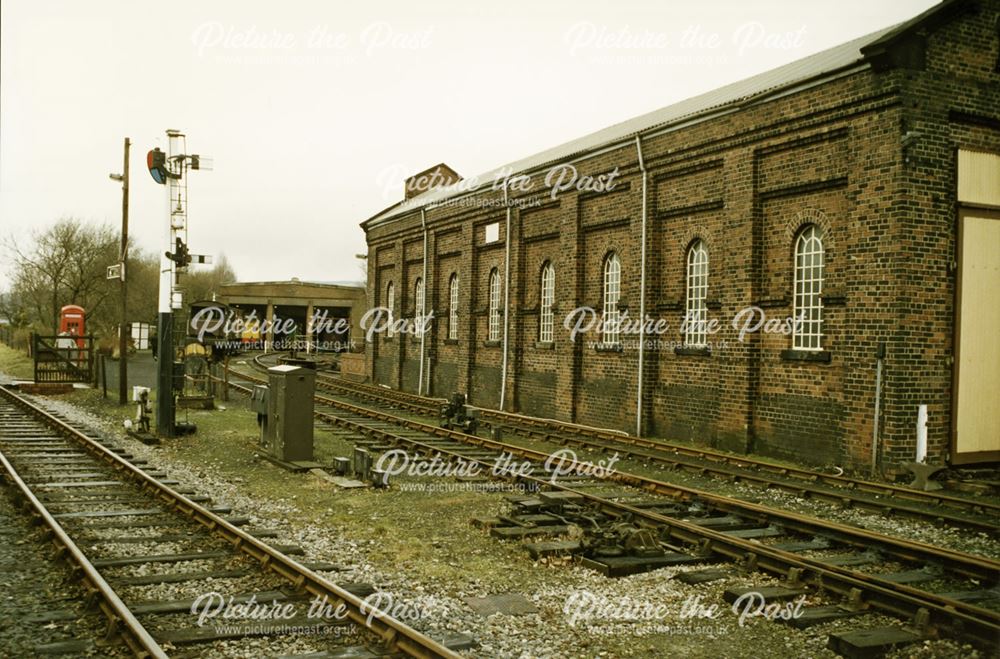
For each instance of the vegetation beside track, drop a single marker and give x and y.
(15, 363)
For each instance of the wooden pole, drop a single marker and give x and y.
(123, 329)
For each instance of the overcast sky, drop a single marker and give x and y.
(314, 112)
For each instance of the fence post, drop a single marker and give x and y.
(104, 376)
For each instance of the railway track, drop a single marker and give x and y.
(41, 585)
(935, 507)
(938, 591)
(124, 529)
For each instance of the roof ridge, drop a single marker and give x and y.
(823, 63)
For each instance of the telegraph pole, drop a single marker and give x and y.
(123, 257)
(123, 339)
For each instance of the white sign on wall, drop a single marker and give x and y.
(493, 232)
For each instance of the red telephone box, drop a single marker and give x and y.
(71, 320)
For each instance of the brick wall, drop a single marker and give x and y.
(745, 184)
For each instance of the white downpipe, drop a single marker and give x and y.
(921, 434)
(878, 402)
(642, 293)
(423, 307)
(506, 301)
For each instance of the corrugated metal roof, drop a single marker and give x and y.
(814, 66)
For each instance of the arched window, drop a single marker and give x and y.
(696, 315)
(808, 307)
(390, 303)
(547, 297)
(418, 296)
(494, 327)
(453, 307)
(612, 293)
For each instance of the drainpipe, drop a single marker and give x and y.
(879, 356)
(423, 334)
(642, 293)
(506, 301)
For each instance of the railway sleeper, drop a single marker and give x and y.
(752, 559)
(868, 643)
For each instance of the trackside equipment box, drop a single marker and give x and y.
(290, 412)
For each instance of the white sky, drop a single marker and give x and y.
(314, 112)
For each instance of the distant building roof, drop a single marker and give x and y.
(295, 281)
(344, 283)
(728, 98)
(294, 292)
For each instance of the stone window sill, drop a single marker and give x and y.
(491, 344)
(821, 356)
(693, 351)
(608, 347)
(544, 345)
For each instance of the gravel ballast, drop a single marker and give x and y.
(436, 570)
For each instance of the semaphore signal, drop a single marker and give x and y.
(170, 169)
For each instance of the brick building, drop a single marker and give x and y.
(321, 316)
(857, 190)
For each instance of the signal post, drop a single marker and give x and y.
(170, 170)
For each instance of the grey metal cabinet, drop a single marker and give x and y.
(290, 412)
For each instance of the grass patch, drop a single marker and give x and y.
(426, 533)
(15, 363)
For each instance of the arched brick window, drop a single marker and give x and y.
(612, 294)
(390, 303)
(453, 307)
(547, 296)
(418, 296)
(808, 302)
(696, 314)
(494, 319)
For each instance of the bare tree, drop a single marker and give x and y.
(64, 265)
(143, 286)
(202, 285)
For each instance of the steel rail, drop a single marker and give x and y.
(924, 609)
(120, 617)
(551, 428)
(954, 616)
(395, 633)
(958, 562)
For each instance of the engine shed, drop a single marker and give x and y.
(307, 315)
(855, 192)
